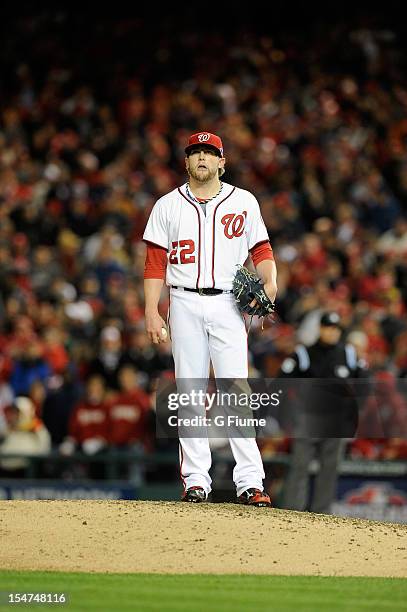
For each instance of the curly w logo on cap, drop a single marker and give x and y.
(210, 140)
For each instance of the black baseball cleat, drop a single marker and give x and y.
(254, 497)
(194, 495)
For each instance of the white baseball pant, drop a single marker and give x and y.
(204, 329)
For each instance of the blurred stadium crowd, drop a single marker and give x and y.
(93, 127)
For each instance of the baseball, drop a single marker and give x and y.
(163, 332)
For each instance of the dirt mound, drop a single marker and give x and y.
(162, 537)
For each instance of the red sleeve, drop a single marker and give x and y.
(261, 251)
(156, 261)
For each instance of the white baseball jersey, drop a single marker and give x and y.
(203, 249)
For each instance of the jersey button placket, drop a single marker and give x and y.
(201, 250)
(208, 245)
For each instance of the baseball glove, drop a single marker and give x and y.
(248, 287)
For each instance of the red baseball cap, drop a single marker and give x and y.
(205, 138)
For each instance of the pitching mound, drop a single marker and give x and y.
(162, 537)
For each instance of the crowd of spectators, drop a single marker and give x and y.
(92, 133)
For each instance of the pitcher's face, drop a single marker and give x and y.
(203, 163)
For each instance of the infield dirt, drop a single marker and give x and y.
(174, 537)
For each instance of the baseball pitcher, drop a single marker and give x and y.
(197, 236)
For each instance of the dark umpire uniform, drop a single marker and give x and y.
(322, 410)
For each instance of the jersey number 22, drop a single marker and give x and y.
(182, 252)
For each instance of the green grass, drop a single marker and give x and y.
(203, 593)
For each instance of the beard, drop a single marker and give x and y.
(202, 175)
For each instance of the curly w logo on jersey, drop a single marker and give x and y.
(234, 224)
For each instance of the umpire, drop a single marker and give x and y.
(322, 411)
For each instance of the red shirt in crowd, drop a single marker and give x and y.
(89, 421)
(128, 420)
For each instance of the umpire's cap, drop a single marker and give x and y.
(330, 319)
